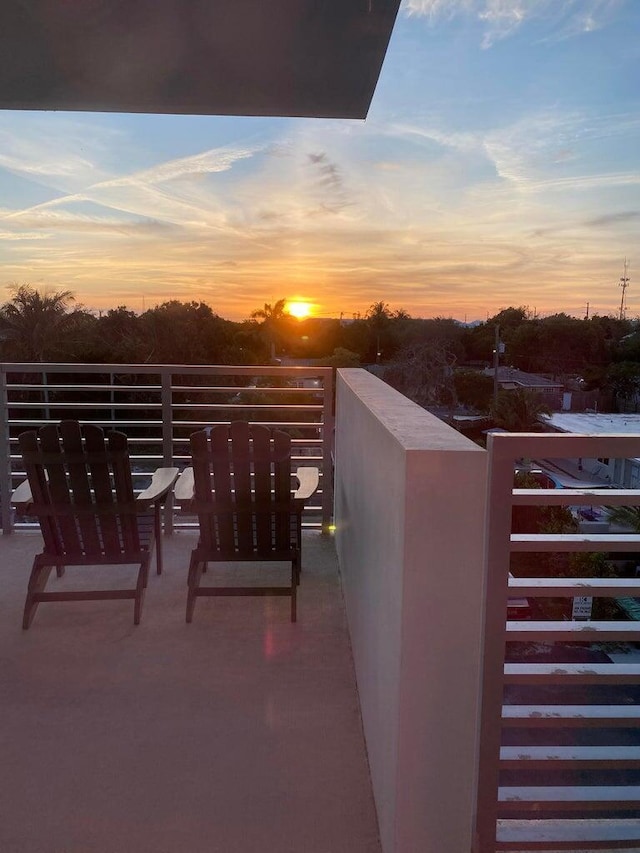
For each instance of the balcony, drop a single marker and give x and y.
(390, 717)
(239, 732)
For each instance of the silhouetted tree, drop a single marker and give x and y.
(623, 379)
(342, 357)
(185, 332)
(378, 317)
(424, 373)
(519, 411)
(34, 326)
(474, 389)
(273, 317)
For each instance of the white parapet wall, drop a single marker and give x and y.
(409, 516)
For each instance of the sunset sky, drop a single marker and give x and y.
(499, 165)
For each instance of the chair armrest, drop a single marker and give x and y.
(307, 483)
(161, 482)
(22, 497)
(185, 488)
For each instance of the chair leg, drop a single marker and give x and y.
(299, 545)
(294, 590)
(158, 537)
(141, 584)
(37, 582)
(195, 573)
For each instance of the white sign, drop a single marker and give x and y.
(582, 607)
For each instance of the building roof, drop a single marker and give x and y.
(594, 423)
(514, 378)
(224, 57)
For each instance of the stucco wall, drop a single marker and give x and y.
(409, 514)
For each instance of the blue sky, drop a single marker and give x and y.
(499, 165)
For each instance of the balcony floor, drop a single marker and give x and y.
(240, 732)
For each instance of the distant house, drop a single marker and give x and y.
(509, 378)
(309, 382)
(622, 473)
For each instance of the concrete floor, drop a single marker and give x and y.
(238, 733)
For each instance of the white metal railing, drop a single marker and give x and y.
(158, 406)
(558, 756)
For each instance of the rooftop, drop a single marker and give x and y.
(595, 423)
(521, 378)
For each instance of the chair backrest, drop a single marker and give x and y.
(242, 491)
(82, 490)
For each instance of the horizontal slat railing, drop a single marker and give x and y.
(571, 757)
(559, 750)
(598, 716)
(576, 673)
(158, 406)
(539, 542)
(619, 834)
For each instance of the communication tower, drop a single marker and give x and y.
(624, 284)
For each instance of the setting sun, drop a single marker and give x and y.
(300, 310)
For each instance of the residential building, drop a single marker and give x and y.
(619, 473)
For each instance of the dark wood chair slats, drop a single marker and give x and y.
(80, 486)
(28, 443)
(242, 493)
(216, 487)
(123, 487)
(81, 491)
(261, 452)
(59, 495)
(241, 466)
(282, 488)
(102, 489)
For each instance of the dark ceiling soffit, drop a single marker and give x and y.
(210, 57)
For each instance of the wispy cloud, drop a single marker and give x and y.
(621, 218)
(502, 18)
(477, 180)
(208, 162)
(63, 154)
(167, 192)
(41, 223)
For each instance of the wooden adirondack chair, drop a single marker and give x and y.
(80, 489)
(240, 486)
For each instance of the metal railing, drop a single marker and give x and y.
(558, 754)
(159, 406)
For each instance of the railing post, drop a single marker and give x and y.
(167, 441)
(328, 429)
(497, 551)
(5, 456)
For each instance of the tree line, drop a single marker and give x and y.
(603, 352)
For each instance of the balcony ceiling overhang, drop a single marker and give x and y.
(211, 57)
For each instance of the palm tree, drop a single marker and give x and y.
(270, 312)
(271, 316)
(519, 411)
(625, 516)
(33, 322)
(378, 317)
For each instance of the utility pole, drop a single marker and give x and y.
(624, 284)
(496, 364)
(587, 314)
